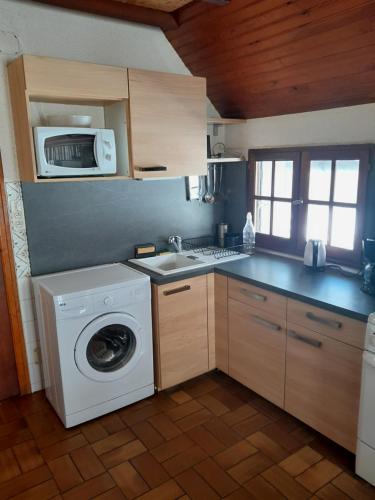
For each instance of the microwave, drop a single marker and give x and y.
(73, 152)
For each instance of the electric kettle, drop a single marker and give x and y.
(315, 255)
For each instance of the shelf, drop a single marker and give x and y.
(224, 160)
(225, 121)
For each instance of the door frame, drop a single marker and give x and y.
(11, 290)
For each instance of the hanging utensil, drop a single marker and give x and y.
(209, 197)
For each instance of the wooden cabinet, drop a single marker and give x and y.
(221, 322)
(181, 337)
(322, 388)
(167, 124)
(257, 297)
(257, 350)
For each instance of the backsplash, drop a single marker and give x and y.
(71, 225)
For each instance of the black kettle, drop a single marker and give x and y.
(368, 284)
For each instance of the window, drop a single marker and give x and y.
(314, 193)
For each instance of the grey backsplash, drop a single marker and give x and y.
(77, 224)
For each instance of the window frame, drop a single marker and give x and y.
(302, 157)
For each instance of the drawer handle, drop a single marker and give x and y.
(266, 323)
(252, 295)
(184, 288)
(306, 340)
(328, 322)
(156, 168)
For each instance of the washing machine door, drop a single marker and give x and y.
(109, 347)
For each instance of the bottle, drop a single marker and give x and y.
(248, 235)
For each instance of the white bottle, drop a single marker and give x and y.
(248, 234)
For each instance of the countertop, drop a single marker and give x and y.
(328, 290)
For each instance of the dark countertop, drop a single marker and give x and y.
(328, 290)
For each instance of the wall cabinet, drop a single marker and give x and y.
(181, 330)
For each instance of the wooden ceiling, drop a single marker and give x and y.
(272, 57)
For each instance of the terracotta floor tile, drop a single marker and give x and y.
(8, 465)
(304, 434)
(251, 424)
(318, 475)
(267, 408)
(261, 489)
(66, 446)
(24, 481)
(149, 436)
(123, 453)
(173, 447)
(216, 477)
(150, 469)
(285, 439)
(65, 472)
(227, 397)
(55, 436)
(28, 455)
(164, 425)
(330, 492)
(184, 461)
(112, 494)
(207, 441)
(111, 423)
(300, 461)
(180, 397)
(113, 441)
(250, 467)
(93, 431)
(334, 452)
(235, 454)
(87, 462)
(356, 489)
(285, 484)
(167, 491)
(139, 415)
(9, 411)
(128, 480)
(214, 405)
(15, 438)
(42, 491)
(240, 494)
(267, 446)
(195, 486)
(184, 410)
(238, 415)
(197, 418)
(222, 432)
(41, 423)
(201, 386)
(91, 488)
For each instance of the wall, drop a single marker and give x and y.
(26, 27)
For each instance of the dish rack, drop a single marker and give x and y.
(206, 245)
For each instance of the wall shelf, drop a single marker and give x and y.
(223, 160)
(218, 121)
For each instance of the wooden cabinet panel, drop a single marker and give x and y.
(257, 343)
(323, 378)
(221, 322)
(167, 124)
(328, 323)
(73, 79)
(180, 330)
(257, 297)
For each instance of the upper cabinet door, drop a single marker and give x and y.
(167, 124)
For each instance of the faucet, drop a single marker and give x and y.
(176, 241)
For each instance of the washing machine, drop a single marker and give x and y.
(95, 333)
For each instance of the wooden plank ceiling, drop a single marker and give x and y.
(272, 57)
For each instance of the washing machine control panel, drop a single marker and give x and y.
(72, 307)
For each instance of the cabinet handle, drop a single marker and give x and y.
(324, 321)
(156, 168)
(306, 340)
(184, 288)
(252, 295)
(266, 323)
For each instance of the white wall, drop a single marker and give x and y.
(350, 125)
(27, 27)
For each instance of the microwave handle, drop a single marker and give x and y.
(96, 149)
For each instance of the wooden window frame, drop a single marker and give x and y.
(302, 156)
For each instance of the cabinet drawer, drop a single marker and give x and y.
(327, 323)
(323, 379)
(257, 297)
(257, 343)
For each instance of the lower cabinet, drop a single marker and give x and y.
(257, 342)
(181, 336)
(322, 387)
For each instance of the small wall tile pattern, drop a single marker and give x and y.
(209, 438)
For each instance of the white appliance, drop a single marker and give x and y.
(96, 340)
(69, 152)
(365, 459)
(314, 257)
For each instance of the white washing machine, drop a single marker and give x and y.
(96, 340)
(365, 459)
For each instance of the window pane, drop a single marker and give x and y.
(262, 216)
(283, 179)
(263, 178)
(317, 222)
(346, 181)
(282, 214)
(320, 180)
(343, 227)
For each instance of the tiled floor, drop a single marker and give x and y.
(210, 438)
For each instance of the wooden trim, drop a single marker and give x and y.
(10, 280)
(118, 10)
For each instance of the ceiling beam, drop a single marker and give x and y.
(118, 10)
